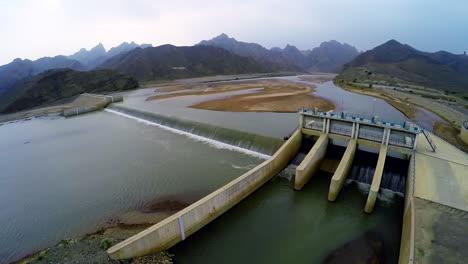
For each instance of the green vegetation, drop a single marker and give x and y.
(54, 85)
(106, 243)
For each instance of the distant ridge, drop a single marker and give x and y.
(329, 57)
(252, 50)
(395, 61)
(171, 62)
(19, 69)
(97, 55)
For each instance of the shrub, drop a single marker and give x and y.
(106, 243)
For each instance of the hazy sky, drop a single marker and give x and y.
(37, 28)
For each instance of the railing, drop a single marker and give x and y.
(431, 143)
(341, 131)
(399, 142)
(366, 119)
(314, 126)
(370, 137)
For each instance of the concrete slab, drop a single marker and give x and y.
(341, 172)
(374, 190)
(311, 162)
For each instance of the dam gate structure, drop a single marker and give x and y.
(405, 141)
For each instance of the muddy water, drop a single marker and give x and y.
(62, 178)
(279, 225)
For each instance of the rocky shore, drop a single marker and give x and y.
(91, 248)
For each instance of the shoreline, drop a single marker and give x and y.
(94, 245)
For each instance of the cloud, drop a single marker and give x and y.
(36, 28)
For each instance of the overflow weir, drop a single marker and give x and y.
(435, 184)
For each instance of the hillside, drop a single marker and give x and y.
(328, 57)
(171, 62)
(395, 62)
(58, 84)
(20, 69)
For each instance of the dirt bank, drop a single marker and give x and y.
(91, 248)
(318, 78)
(269, 96)
(450, 134)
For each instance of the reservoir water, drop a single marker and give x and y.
(62, 178)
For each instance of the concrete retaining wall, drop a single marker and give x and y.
(464, 132)
(184, 223)
(407, 232)
(374, 190)
(86, 103)
(341, 172)
(311, 162)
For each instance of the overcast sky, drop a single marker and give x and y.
(36, 28)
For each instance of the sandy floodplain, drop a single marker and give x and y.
(264, 96)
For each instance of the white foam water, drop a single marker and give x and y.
(209, 141)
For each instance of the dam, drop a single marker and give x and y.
(298, 226)
(433, 182)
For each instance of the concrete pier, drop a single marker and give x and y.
(311, 162)
(177, 227)
(374, 190)
(341, 172)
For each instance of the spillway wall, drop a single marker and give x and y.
(246, 140)
(184, 223)
(86, 103)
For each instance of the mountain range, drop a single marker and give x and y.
(97, 55)
(394, 61)
(171, 62)
(19, 69)
(82, 60)
(391, 61)
(328, 57)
